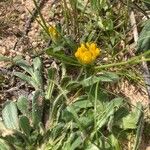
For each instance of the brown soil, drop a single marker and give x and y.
(14, 19)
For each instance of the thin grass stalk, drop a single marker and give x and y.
(74, 17)
(81, 16)
(139, 131)
(62, 93)
(134, 60)
(66, 14)
(41, 16)
(95, 111)
(43, 27)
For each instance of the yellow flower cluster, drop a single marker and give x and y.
(53, 32)
(87, 53)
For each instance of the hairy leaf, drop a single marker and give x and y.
(23, 105)
(4, 145)
(4, 58)
(26, 78)
(144, 38)
(25, 125)
(10, 115)
(105, 77)
(131, 120)
(62, 57)
(37, 108)
(111, 108)
(24, 65)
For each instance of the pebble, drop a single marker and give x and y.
(36, 25)
(3, 50)
(27, 57)
(22, 16)
(34, 44)
(148, 148)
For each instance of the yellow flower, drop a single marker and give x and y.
(53, 32)
(87, 53)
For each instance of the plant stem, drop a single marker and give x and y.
(123, 63)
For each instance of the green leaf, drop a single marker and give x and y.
(25, 125)
(23, 105)
(94, 4)
(4, 58)
(115, 143)
(76, 143)
(37, 64)
(4, 145)
(139, 131)
(57, 130)
(76, 118)
(109, 77)
(91, 36)
(67, 143)
(50, 86)
(111, 108)
(37, 108)
(26, 78)
(65, 81)
(38, 79)
(10, 115)
(97, 5)
(90, 81)
(62, 57)
(87, 121)
(105, 77)
(2, 79)
(147, 3)
(16, 139)
(108, 24)
(121, 113)
(73, 3)
(92, 147)
(35, 78)
(131, 120)
(24, 65)
(66, 116)
(144, 38)
(82, 104)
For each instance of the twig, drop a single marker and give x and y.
(134, 26)
(29, 21)
(137, 7)
(5, 71)
(146, 73)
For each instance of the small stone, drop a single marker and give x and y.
(34, 44)
(27, 57)
(36, 25)
(36, 30)
(22, 17)
(31, 33)
(3, 50)
(148, 148)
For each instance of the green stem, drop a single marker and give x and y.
(95, 111)
(123, 63)
(66, 14)
(40, 15)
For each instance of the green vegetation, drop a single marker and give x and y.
(72, 106)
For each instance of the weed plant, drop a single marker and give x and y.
(74, 109)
